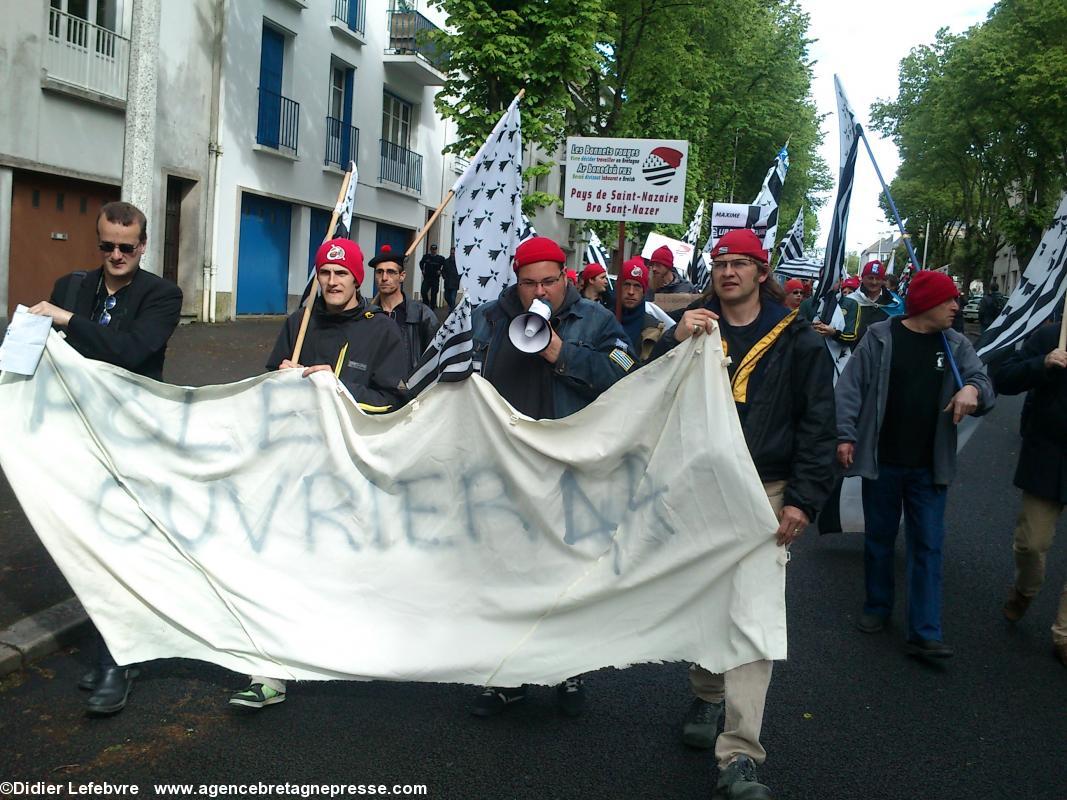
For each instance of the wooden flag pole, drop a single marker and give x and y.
(315, 289)
(429, 223)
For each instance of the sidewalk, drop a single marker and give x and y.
(36, 607)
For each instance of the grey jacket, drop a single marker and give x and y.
(861, 400)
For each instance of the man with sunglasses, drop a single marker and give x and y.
(586, 353)
(122, 315)
(782, 382)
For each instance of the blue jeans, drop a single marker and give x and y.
(924, 527)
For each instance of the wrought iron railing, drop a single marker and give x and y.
(401, 166)
(352, 13)
(407, 35)
(86, 55)
(342, 143)
(279, 121)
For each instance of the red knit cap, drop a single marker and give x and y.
(539, 248)
(851, 282)
(591, 271)
(927, 289)
(572, 276)
(662, 255)
(875, 267)
(740, 242)
(342, 252)
(794, 285)
(635, 270)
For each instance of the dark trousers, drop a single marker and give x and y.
(923, 504)
(429, 292)
(104, 659)
(450, 297)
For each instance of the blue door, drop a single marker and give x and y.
(270, 87)
(263, 260)
(320, 221)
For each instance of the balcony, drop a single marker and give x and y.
(86, 56)
(401, 166)
(411, 57)
(342, 143)
(278, 126)
(350, 20)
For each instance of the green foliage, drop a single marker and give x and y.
(981, 123)
(655, 69)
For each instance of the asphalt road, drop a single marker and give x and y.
(848, 716)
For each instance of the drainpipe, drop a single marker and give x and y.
(214, 155)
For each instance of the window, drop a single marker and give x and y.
(104, 13)
(341, 138)
(396, 121)
(83, 205)
(59, 201)
(278, 125)
(541, 181)
(337, 92)
(35, 198)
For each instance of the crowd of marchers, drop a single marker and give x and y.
(863, 383)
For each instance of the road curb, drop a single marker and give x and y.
(40, 634)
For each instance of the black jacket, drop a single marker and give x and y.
(1042, 468)
(144, 317)
(431, 265)
(790, 425)
(451, 274)
(374, 364)
(420, 324)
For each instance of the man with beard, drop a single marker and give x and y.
(642, 328)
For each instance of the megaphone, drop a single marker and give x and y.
(530, 332)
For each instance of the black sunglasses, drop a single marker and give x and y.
(125, 249)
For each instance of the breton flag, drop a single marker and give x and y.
(770, 193)
(489, 224)
(1037, 296)
(660, 165)
(594, 251)
(835, 246)
(792, 246)
(343, 228)
(691, 237)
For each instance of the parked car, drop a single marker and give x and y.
(970, 311)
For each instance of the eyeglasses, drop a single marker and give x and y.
(109, 305)
(381, 273)
(736, 263)
(125, 249)
(547, 283)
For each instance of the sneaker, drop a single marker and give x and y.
(738, 782)
(928, 648)
(870, 623)
(701, 725)
(493, 700)
(1016, 605)
(571, 696)
(257, 695)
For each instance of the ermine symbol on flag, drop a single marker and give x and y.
(335, 253)
(661, 165)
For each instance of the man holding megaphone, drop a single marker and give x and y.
(549, 352)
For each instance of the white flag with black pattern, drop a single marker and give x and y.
(1037, 296)
(851, 130)
(594, 251)
(792, 246)
(770, 193)
(489, 225)
(692, 236)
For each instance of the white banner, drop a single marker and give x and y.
(682, 251)
(270, 527)
(732, 216)
(625, 180)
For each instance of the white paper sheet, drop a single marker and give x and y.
(24, 342)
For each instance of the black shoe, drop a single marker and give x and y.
(870, 623)
(110, 693)
(701, 726)
(89, 680)
(492, 700)
(571, 696)
(738, 782)
(928, 648)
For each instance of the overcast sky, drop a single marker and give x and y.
(863, 42)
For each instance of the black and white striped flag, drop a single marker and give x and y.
(594, 251)
(792, 246)
(489, 225)
(1038, 294)
(770, 193)
(692, 236)
(834, 260)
